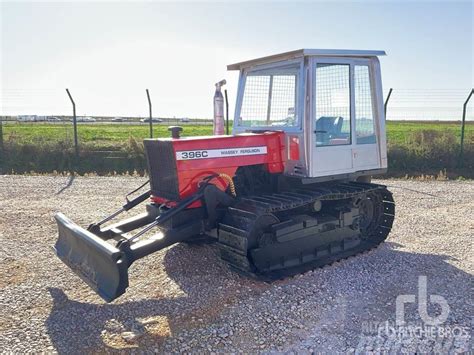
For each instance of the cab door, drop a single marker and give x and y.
(342, 134)
(365, 152)
(331, 132)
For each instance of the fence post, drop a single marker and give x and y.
(226, 112)
(74, 122)
(1, 134)
(2, 152)
(386, 102)
(151, 116)
(463, 123)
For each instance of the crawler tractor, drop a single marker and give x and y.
(288, 191)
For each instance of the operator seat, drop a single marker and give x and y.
(328, 127)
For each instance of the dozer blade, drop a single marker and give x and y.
(101, 265)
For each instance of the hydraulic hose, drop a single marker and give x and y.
(231, 183)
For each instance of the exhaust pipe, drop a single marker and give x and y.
(218, 124)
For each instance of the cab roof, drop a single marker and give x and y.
(306, 52)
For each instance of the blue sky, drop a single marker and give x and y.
(107, 53)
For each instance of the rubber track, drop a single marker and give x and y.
(237, 227)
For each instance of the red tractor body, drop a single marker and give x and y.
(193, 158)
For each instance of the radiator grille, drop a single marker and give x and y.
(162, 169)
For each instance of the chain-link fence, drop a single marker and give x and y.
(427, 104)
(416, 120)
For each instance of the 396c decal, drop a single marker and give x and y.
(219, 153)
(193, 154)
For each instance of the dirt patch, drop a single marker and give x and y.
(14, 272)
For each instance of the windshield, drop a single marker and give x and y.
(270, 97)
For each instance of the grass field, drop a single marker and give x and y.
(398, 132)
(414, 148)
(110, 136)
(107, 136)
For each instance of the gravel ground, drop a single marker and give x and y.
(184, 299)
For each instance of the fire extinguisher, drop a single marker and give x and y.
(219, 109)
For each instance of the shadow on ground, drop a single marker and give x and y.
(76, 326)
(70, 180)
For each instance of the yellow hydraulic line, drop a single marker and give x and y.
(231, 183)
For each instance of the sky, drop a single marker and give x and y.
(108, 53)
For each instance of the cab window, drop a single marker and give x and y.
(364, 113)
(333, 113)
(270, 97)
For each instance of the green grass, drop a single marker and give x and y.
(98, 136)
(113, 136)
(414, 148)
(398, 132)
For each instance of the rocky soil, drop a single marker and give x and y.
(184, 299)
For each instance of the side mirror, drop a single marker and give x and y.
(175, 131)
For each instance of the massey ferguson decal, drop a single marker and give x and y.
(219, 153)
